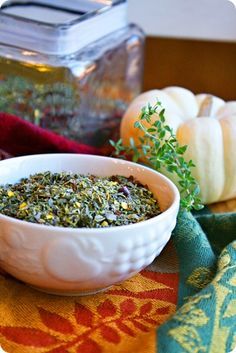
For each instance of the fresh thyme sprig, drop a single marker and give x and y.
(160, 148)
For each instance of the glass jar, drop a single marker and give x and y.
(72, 67)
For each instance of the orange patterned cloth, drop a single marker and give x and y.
(123, 319)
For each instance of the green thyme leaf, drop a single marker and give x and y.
(160, 148)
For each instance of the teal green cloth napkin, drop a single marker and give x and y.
(205, 321)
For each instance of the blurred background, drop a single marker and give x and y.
(190, 43)
(74, 66)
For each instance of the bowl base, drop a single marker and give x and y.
(70, 294)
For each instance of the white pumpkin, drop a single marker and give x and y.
(207, 124)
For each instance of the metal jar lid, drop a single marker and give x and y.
(59, 27)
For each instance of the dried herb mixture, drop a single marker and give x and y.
(73, 200)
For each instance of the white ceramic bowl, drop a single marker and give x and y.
(83, 261)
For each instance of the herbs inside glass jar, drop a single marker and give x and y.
(74, 200)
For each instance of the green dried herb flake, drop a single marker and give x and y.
(77, 201)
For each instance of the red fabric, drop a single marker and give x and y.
(19, 137)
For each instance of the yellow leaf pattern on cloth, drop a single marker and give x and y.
(200, 277)
(231, 309)
(188, 338)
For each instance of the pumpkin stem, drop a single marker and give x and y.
(206, 106)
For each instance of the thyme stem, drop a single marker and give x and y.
(160, 149)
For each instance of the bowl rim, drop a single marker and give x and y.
(163, 214)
